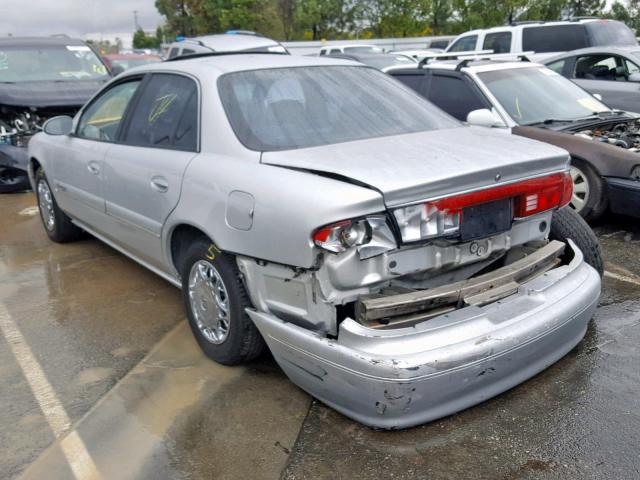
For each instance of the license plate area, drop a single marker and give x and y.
(486, 219)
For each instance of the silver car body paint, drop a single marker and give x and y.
(264, 208)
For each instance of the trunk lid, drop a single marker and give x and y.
(425, 165)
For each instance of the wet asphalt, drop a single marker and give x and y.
(100, 378)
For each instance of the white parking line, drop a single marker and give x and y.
(73, 447)
(623, 278)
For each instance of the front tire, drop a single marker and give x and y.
(13, 180)
(56, 223)
(567, 223)
(215, 300)
(588, 198)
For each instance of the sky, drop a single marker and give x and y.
(75, 18)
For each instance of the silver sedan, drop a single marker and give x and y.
(397, 263)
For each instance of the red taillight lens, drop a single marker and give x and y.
(442, 217)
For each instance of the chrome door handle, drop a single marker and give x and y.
(94, 168)
(160, 184)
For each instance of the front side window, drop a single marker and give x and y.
(289, 108)
(102, 119)
(50, 64)
(454, 96)
(499, 42)
(166, 114)
(533, 95)
(173, 52)
(553, 38)
(464, 44)
(600, 67)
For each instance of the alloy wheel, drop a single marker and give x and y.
(209, 301)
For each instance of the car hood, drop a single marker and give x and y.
(47, 94)
(418, 166)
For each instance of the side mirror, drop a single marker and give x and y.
(485, 118)
(597, 96)
(61, 125)
(634, 77)
(116, 70)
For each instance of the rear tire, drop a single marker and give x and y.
(568, 224)
(215, 301)
(56, 223)
(589, 198)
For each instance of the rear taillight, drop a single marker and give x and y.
(371, 236)
(443, 217)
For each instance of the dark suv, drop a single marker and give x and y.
(40, 77)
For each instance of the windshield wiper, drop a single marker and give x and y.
(549, 121)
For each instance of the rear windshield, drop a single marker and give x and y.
(609, 32)
(553, 38)
(289, 108)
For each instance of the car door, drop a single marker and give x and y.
(608, 75)
(143, 171)
(77, 168)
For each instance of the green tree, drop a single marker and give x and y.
(586, 8)
(142, 40)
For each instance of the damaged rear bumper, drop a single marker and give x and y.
(407, 376)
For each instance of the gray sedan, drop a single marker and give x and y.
(612, 72)
(397, 263)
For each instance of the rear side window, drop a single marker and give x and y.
(187, 51)
(455, 96)
(413, 81)
(165, 115)
(609, 32)
(499, 42)
(464, 44)
(554, 38)
(558, 66)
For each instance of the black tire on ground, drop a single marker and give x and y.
(565, 224)
(597, 202)
(13, 180)
(62, 230)
(243, 341)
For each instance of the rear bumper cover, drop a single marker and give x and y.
(408, 376)
(624, 196)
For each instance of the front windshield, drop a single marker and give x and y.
(533, 95)
(288, 108)
(50, 63)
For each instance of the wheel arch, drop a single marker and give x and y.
(180, 235)
(32, 167)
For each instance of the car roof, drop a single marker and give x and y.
(38, 41)
(228, 41)
(620, 50)
(531, 24)
(349, 45)
(236, 62)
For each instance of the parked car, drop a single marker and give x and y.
(353, 48)
(232, 41)
(381, 61)
(40, 77)
(118, 63)
(530, 100)
(611, 72)
(397, 263)
(545, 38)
